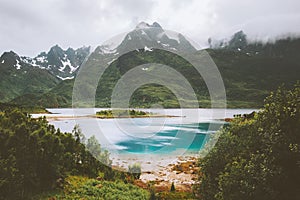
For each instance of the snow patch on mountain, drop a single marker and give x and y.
(41, 59)
(66, 78)
(147, 49)
(106, 49)
(67, 63)
(33, 62)
(17, 65)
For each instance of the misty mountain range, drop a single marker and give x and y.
(249, 70)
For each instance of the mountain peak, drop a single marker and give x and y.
(11, 55)
(238, 41)
(55, 48)
(143, 25)
(156, 25)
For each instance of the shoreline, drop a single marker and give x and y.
(162, 170)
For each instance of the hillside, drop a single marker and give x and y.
(250, 70)
(16, 80)
(248, 78)
(20, 75)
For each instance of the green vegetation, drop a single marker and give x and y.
(24, 108)
(258, 157)
(174, 196)
(77, 187)
(39, 162)
(29, 80)
(122, 113)
(58, 96)
(135, 169)
(94, 148)
(249, 75)
(36, 158)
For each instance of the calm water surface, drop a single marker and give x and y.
(189, 132)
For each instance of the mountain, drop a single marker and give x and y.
(61, 63)
(250, 70)
(154, 36)
(18, 77)
(147, 37)
(238, 41)
(144, 39)
(22, 75)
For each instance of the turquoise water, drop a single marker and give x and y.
(150, 136)
(169, 140)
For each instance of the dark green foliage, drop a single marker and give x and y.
(35, 157)
(121, 113)
(259, 157)
(28, 109)
(59, 96)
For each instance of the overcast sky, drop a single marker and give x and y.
(31, 26)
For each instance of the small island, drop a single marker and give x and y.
(108, 114)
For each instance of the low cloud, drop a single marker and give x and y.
(29, 27)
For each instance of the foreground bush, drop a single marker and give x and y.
(35, 157)
(91, 189)
(257, 158)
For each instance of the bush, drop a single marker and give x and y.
(35, 157)
(257, 158)
(84, 188)
(135, 170)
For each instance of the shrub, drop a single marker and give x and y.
(257, 158)
(135, 170)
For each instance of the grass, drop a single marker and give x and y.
(78, 187)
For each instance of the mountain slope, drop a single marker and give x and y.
(23, 75)
(249, 70)
(154, 36)
(61, 63)
(249, 75)
(18, 78)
